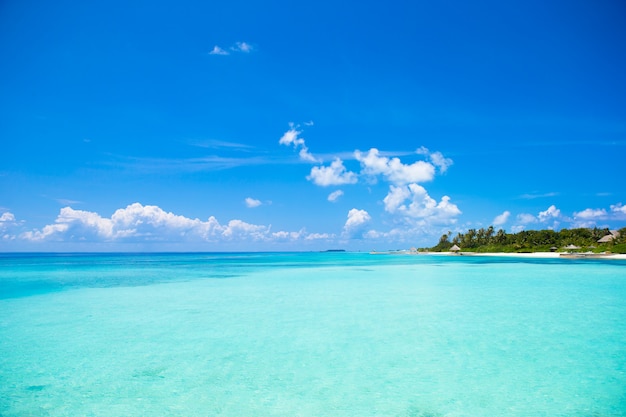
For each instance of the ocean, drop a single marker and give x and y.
(311, 334)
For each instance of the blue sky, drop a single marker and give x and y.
(278, 125)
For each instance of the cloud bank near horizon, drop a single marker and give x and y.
(147, 223)
(151, 224)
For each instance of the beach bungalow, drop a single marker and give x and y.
(613, 234)
(606, 239)
(455, 249)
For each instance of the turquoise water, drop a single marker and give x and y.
(311, 334)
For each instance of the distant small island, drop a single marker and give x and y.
(489, 240)
(334, 250)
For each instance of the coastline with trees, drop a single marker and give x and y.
(488, 240)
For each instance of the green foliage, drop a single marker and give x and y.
(443, 245)
(619, 248)
(488, 240)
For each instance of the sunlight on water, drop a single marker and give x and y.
(311, 335)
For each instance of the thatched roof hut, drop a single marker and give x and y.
(606, 239)
(455, 248)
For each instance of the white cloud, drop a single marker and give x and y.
(501, 219)
(396, 197)
(242, 230)
(374, 234)
(436, 158)
(393, 169)
(152, 221)
(335, 174)
(618, 209)
(288, 236)
(48, 231)
(242, 47)
(526, 218)
(137, 222)
(74, 223)
(334, 196)
(67, 202)
(551, 213)
(534, 196)
(218, 51)
(357, 220)
(7, 224)
(319, 236)
(305, 155)
(420, 204)
(252, 203)
(291, 137)
(440, 161)
(591, 214)
(7, 217)
(237, 47)
(408, 234)
(589, 217)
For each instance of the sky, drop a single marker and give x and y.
(281, 125)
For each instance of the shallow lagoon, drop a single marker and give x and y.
(311, 334)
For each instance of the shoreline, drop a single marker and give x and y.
(542, 255)
(550, 255)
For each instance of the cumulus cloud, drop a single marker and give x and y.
(356, 222)
(394, 171)
(319, 236)
(590, 214)
(501, 219)
(412, 200)
(7, 217)
(618, 209)
(218, 51)
(242, 47)
(292, 137)
(526, 218)
(7, 224)
(436, 158)
(288, 236)
(137, 222)
(550, 214)
(440, 161)
(252, 202)
(335, 174)
(334, 196)
(395, 198)
(239, 229)
(237, 47)
(406, 197)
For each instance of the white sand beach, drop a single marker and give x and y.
(543, 255)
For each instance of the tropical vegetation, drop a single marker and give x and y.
(492, 240)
